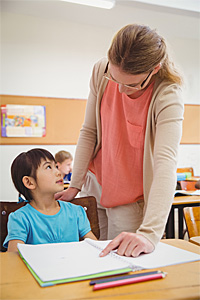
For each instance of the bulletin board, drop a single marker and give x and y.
(64, 119)
(23, 120)
(191, 124)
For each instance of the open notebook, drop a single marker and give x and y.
(67, 262)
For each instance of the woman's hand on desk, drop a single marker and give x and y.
(67, 195)
(129, 244)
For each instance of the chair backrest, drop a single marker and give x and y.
(189, 169)
(192, 220)
(6, 209)
(188, 185)
(88, 203)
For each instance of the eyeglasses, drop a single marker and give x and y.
(130, 86)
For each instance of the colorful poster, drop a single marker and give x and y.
(23, 120)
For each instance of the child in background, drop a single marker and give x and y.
(43, 219)
(197, 185)
(64, 163)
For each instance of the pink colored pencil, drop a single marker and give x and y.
(110, 284)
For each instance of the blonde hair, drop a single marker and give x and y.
(137, 49)
(62, 156)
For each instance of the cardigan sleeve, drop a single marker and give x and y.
(88, 134)
(160, 160)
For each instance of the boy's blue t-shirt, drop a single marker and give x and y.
(32, 227)
(67, 177)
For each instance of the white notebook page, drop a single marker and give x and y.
(68, 260)
(163, 255)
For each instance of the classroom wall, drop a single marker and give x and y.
(51, 56)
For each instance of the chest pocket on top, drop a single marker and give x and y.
(135, 135)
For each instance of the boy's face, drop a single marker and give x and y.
(65, 167)
(49, 178)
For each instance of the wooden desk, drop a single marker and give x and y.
(193, 178)
(179, 203)
(195, 240)
(182, 282)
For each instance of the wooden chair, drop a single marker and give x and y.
(88, 203)
(195, 240)
(6, 209)
(188, 185)
(192, 220)
(188, 169)
(184, 186)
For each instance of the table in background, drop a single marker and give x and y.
(66, 185)
(193, 178)
(181, 282)
(195, 240)
(179, 202)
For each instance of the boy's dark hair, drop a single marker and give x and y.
(26, 164)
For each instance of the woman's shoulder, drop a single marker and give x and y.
(165, 90)
(99, 67)
(164, 86)
(167, 97)
(97, 79)
(101, 63)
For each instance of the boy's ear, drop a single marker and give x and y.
(29, 182)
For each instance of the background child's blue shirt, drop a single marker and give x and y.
(32, 227)
(67, 177)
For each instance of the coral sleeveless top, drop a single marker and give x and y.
(118, 165)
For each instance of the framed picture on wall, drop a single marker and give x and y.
(23, 120)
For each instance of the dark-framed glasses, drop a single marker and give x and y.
(136, 87)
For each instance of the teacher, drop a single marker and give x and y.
(126, 154)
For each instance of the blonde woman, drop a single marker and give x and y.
(127, 150)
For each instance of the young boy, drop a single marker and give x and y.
(64, 163)
(43, 219)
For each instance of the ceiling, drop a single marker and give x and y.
(182, 5)
(187, 5)
(172, 17)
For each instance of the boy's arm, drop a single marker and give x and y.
(90, 235)
(12, 245)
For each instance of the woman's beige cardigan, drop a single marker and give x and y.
(162, 138)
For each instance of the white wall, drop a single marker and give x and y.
(51, 52)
